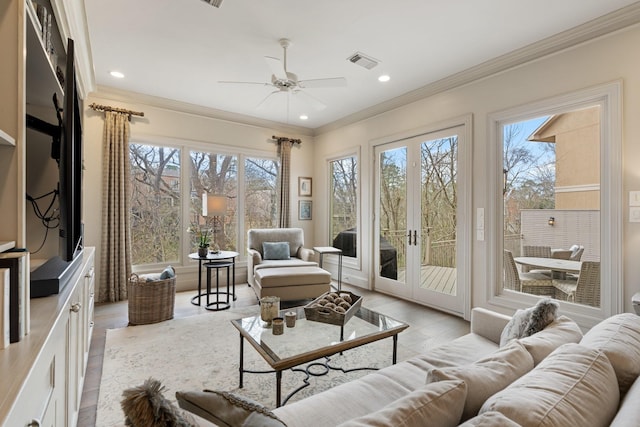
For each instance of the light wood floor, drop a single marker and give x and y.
(428, 328)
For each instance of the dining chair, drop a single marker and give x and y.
(530, 283)
(585, 290)
(538, 252)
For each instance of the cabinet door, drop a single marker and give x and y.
(75, 356)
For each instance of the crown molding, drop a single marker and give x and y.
(72, 23)
(601, 26)
(118, 95)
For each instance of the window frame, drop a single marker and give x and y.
(608, 96)
(185, 147)
(348, 262)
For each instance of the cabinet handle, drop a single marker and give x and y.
(34, 423)
(76, 307)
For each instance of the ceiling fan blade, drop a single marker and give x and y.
(244, 83)
(330, 82)
(311, 100)
(263, 103)
(277, 67)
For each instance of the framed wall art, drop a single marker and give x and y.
(304, 186)
(304, 209)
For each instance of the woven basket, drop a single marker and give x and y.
(150, 302)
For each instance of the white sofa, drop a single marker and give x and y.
(294, 276)
(555, 377)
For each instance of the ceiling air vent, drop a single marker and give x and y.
(215, 3)
(363, 60)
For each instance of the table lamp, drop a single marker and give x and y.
(214, 206)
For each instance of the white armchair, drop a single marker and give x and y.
(278, 264)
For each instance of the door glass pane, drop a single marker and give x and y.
(552, 206)
(343, 201)
(155, 204)
(438, 215)
(393, 213)
(215, 174)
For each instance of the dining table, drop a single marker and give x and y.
(562, 266)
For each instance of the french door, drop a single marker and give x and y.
(417, 211)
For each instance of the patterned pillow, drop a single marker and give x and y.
(227, 409)
(275, 250)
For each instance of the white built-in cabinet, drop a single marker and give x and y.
(43, 374)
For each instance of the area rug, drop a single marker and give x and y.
(201, 352)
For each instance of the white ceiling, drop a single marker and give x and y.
(179, 50)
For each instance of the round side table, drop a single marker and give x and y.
(215, 261)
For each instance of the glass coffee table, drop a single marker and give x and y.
(309, 341)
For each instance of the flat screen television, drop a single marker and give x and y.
(70, 166)
(53, 275)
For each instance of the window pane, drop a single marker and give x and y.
(343, 218)
(260, 193)
(155, 204)
(214, 174)
(552, 206)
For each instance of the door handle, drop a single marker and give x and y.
(415, 237)
(409, 236)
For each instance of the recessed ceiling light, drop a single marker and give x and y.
(384, 78)
(303, 117)
(117, 74)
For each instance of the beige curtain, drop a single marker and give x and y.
(115, 259)
(284, 153)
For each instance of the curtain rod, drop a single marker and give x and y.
(285, 139)
(98, 107)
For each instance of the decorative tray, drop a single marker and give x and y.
(335, 308)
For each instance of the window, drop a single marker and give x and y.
(166, 198)
(155, 204)
(558, 194)
(343, 205)
(216, 175)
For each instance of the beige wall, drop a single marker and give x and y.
(604, 60)
(601, 61)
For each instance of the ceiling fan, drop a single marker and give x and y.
(287, 82)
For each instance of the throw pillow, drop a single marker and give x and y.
(487, 376)
(275, 250)
(619, 338)
(573, 386)
(527, 322)
(490, 419)
(145, 406)
(227, 409)
(168, 273)
(437, 404)
(561, 331)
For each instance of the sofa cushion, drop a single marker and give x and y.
(436, 404)
(227, 409)
(275, 250)
(629, 410)
(487, 376)
(490, 419)
(527, 322)
(562, 331)
(573, 386)
(619, 338)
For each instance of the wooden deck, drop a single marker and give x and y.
(434, 278)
